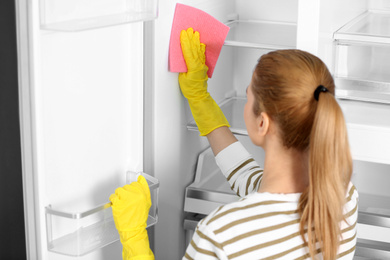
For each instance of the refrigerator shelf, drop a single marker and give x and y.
(262, 34)
(78, 15)
(77, 234)
(371, 26)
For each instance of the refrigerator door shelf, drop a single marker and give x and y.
(233, 109)
(262, 34)
(78, 15)
(370, 27)
(76, 234)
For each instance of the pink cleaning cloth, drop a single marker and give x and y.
(212, 33)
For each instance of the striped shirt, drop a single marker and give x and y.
(260, 225)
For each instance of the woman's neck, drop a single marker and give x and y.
(285, 170)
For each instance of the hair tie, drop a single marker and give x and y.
(318, 90)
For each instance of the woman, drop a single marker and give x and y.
(292, 114)
(301, 204)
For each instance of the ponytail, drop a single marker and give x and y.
(330, 169)
(283, 83)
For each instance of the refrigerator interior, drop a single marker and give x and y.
(363, 67)
(88, 100)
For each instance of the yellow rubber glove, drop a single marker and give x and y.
(193, 84)
(130, 209)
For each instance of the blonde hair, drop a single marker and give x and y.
(283, 84)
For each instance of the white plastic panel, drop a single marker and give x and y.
(368, 130)
(269, 10)
(245, 60)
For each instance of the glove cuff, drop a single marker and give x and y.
(207, 114)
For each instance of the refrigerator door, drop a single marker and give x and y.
(81, 103)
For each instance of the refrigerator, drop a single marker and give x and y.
(97, 101)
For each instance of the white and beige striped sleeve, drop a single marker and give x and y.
(240, 169)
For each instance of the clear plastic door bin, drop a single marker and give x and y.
(76, 15)
(76, 234)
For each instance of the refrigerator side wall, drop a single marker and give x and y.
(175, 148)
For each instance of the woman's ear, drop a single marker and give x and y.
(262, 128)
(263, 123)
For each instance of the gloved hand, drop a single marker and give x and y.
(193, 84)
(130, 208)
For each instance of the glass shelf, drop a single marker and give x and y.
(78, 15)
(76, 234)
(262, 35)
(371, 26)
(368, 130)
